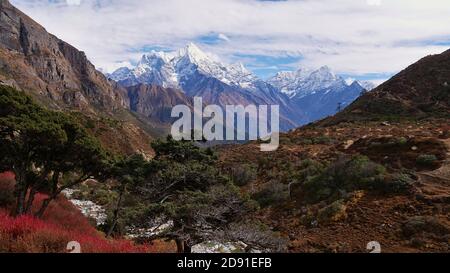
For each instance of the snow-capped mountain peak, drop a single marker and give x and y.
(172, 69)
(121, 74)
(324, 77)
(309, 94)
(369, 86)
(193, 53)
(305, 81)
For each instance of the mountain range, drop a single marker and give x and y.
(304, 96)
(320, 93)
(61, 76)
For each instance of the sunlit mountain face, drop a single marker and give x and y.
(304, 95)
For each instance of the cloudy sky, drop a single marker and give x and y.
(361, 39)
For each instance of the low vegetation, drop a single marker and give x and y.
(243, 174)
(345, 175)
(427, 160)
(272, 193)
(47, 152)
(61, 224)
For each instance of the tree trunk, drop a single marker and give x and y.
(30, 200)
(21, 194)
(53, 195)
(34, 189)
(44, 206)
(187, 248)
(21, 188)
(20, 200)
(116, 213)
(180, 246)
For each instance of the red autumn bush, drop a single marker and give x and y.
(63, 213)
(7, 176)
(60, 212)
(26, 234)
(61, 224)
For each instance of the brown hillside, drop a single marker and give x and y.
(419, 91)
(378, 171)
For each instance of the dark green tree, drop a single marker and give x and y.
(186, 188)
(129, 172)
(47, 150)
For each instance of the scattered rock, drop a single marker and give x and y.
(135, 232)
(10, 83)
(217, 247)
(88, 208)
(348, 144)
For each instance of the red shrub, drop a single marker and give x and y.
(7, 176)
(27, 234)
(61, 224)
(60, 212)
(63, 213)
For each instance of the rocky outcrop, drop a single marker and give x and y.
(155, 102)
(61, 77)
(43, 64)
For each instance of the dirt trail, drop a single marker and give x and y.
(435, 185)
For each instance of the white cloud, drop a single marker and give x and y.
(224, 37)
(352, 36)
(73, 2)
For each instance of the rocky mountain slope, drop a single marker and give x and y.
(47, 66)
(421, 90)
(304, 96)
(198, 75)
(378, 172)
(155, 102)
(61, 77)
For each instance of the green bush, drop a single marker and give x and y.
(309, 168)
(273, 193)
(424, 224)
(343, 176)
(322, 140)
(334, 212)
(243, 174)
(315, 140)
(397, 183)
(426, 160)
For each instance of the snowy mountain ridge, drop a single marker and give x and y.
(304, 95)
(304, 82)
(169, 70)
